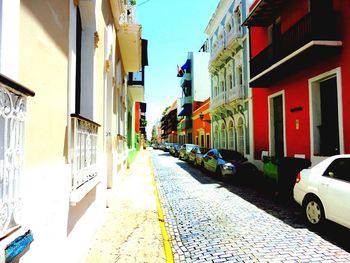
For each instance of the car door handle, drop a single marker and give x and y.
(325, 184)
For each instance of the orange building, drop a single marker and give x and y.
(202, 123)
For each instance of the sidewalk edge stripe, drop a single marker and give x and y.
(167, 247)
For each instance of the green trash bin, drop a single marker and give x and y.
(270, 168)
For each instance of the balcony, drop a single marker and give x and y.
(84, 166)
(233, 36)
(13, 110)
(129, 37)
(217, 100)
(312, 39)
(237, 92)
(217, 50)
(185, 124)
(186, 80)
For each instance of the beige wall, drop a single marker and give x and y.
(44, 69)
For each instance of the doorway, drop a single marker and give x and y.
(276, 113)
(325, 117)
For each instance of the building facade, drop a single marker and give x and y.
(195, 85)
(230, 105)
(169, 124)
(67, 144)
(202, 124)
(299, 56)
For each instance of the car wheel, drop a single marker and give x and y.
(314, 212)
(218, 173)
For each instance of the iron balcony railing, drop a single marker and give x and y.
(13, 108)
(84, 154)
(312, 26)
(218, 100)
(128, 15)
(237, 92)
(220, 45)
(233, 34)
(185, 124)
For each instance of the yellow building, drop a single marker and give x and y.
(63, 104)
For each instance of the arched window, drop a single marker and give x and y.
(216, 137)
(223, 137)
(231, 136)
(240, 135)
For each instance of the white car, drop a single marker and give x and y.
(324, 191)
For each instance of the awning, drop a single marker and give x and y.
(186, 110)
(187, 65)
(144, 58)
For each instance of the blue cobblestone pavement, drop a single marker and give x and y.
(207, 222)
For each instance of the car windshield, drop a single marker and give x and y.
(189, 147)
(204, 150)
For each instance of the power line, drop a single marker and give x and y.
(144, 2)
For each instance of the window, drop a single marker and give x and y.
(223, 137)
(202, 140)
(189, 137)
(339, 169)
(239, 76)
(210, 153)
(216, 137)
(208, 141)
(197, 142)
(84, 80)
(78, 63)
(240, 136)
(229, 81)
(222, 86)
(231, 137)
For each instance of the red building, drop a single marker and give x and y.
(169, 124)
(299, 72)
(201, 123)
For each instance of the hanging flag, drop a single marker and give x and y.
(187, 65)
(180, 72)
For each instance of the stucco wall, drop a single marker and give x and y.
(296, 89)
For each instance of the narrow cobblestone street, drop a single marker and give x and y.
(212, 221)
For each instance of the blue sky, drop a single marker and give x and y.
(172, 28)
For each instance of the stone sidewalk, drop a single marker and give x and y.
(131, 231)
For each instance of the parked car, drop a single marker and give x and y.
(229, 164)
(184, 151)
(323, 191)
(161, 146)
(167, 146)
(195, 156)
(155, 146)
(174, 150)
